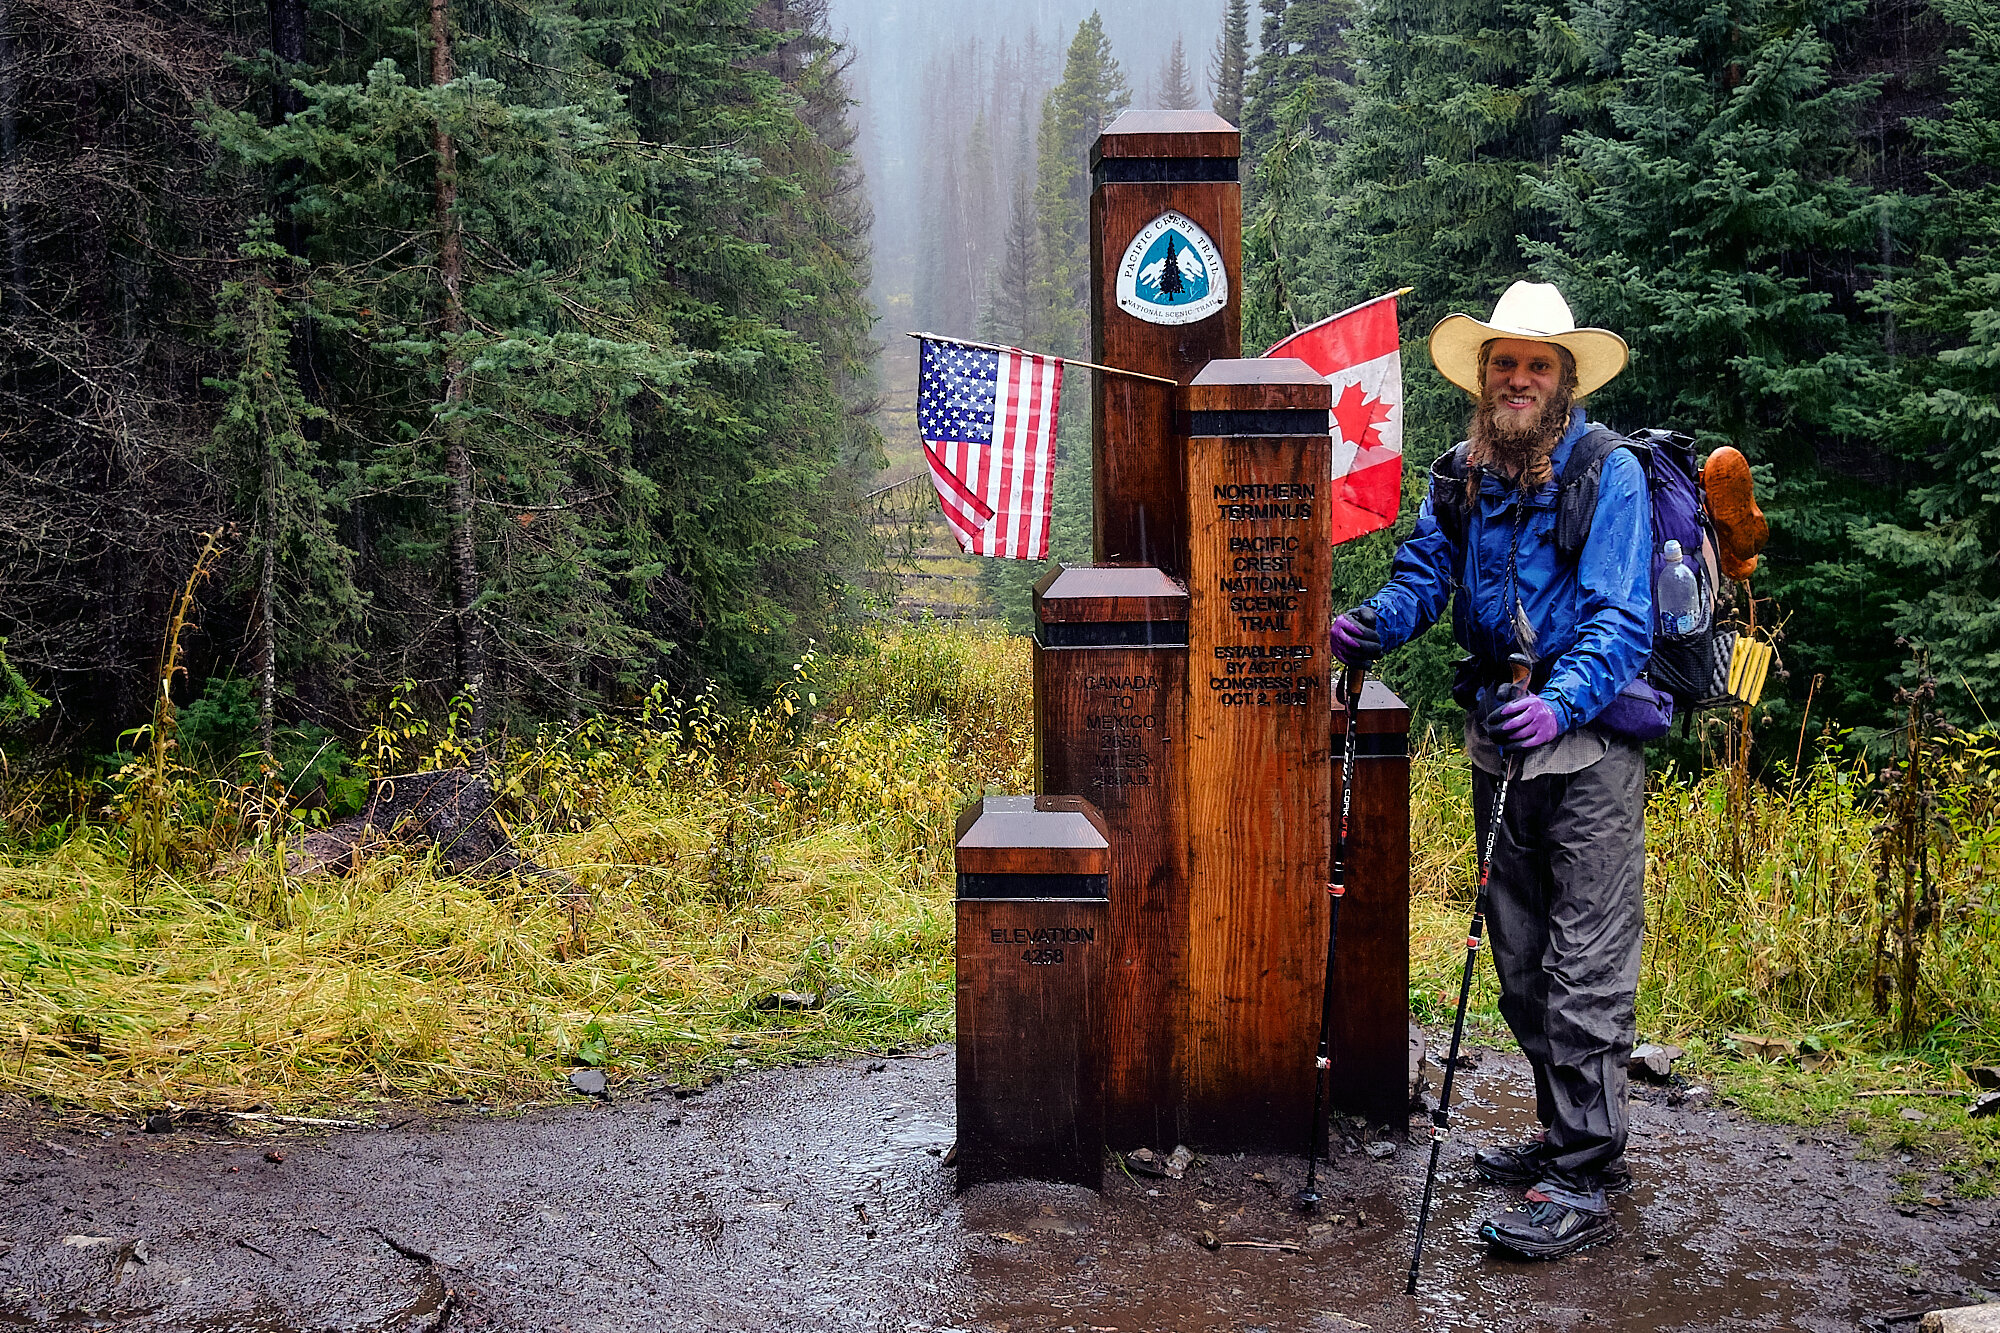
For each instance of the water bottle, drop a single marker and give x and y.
(1677, 596)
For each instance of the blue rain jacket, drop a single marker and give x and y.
(1594, 617)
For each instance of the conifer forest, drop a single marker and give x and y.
(516, 351)
(528, 355)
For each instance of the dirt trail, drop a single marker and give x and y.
(815, 1199)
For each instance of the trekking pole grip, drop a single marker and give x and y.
(1357, 672)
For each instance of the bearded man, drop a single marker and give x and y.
(1565, 892)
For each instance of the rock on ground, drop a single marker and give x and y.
(452, 809)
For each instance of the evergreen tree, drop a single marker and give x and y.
(942, 300)
(1175, 84)
(1012, 314)
(18, 703)
(1941, 406)
(1698, 223)
(1230, 59)
(1170, 271)
(756, 456)
(1091, 94)
(982, 210)
(1265, 80)
(1298, 100)
(520, 333)
(304, 599)
(1458, 109)
(572, 356)
(1310, 62)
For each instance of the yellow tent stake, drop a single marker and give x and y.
(1754, 678)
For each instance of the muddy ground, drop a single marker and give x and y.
(816, 1199)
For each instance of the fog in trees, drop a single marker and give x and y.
(925, 74)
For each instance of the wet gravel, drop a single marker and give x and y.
(817, 1199)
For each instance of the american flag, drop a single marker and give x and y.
(988, 419)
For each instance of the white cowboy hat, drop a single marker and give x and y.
(1533, 310)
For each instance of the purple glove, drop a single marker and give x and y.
(1523, 723)
(1353, 637)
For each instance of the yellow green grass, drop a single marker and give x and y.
(718, 859)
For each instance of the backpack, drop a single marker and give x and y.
(1686, 668)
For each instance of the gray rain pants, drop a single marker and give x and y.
(1566, 913)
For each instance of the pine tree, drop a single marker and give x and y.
(610, 438)
(18, 703)
(1091, 94)
(521, 334)
(1175, 83)
(1459, 108)
(942, 299)
(1012, 314)
(754, 459)
(1170, 271)
(304, 598)
(1314, 66)
(1229, 60)
(982, 214)
(468, 628)
(1699, 222)
(1941, 406)
(1299, 99)
(1266, 80)
(1396, 144)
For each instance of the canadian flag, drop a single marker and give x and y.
(1359, 352)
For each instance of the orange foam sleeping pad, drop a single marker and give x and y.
(1740, 528)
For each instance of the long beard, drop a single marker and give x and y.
(1520, 452)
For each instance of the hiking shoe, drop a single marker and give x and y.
(1526, 1162)
(1548, 1225)
(1516, 1164)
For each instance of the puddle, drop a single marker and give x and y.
(816, 1199)
(1730, 1247)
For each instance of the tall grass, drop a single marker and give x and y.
(1786, 950)
(723, 857)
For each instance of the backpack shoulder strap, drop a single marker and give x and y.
(1448, 499)
(1576, 491)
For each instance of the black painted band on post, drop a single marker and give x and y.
(1281, 421)
(1112, 634)
(1034, 886)
(1162, 170)
(1382, 745)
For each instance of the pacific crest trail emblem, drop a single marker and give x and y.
(1172, 273)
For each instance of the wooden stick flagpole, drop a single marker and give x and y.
(1066, 360)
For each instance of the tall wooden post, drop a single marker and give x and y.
(1166, 259)
(1032, 874)
(1371, 979)
(1110, 686)
(1259, 462)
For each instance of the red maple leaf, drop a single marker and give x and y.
(1359, 416)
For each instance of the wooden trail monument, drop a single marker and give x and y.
(1184, 691)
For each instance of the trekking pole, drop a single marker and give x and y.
(1441, 1118)
(1336, 889)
